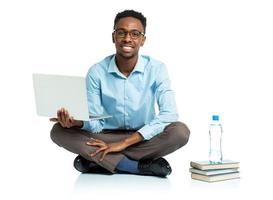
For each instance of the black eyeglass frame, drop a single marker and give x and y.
(128, 32)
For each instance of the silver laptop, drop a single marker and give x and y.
(53, 92)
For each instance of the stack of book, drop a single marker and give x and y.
(205, 171)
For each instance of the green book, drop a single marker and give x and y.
(206, 165)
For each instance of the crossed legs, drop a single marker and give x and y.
(74, 140)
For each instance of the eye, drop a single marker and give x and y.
(121, 33)
(135, 33)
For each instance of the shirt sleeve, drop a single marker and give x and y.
(94, 101)
(166, 104)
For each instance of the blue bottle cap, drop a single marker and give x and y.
(215, 117)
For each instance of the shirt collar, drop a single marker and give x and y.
(140, 66)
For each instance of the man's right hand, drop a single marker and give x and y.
(65, 120)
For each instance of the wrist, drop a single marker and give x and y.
(125, 143)
(133, 139)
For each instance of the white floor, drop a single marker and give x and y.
(47, 173)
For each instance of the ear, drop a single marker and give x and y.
(113, 38)
(143, 41)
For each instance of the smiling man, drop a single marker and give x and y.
(126, 85)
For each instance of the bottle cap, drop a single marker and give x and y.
(215, 117)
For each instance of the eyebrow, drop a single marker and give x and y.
(129, 30)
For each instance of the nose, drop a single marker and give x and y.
(127, 37)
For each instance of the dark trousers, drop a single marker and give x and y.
(74, 140)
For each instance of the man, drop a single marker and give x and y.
(125, 85)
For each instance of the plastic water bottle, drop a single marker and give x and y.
(215, 133)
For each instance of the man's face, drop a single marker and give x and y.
(128, 37)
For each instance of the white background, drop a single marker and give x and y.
(218, 53)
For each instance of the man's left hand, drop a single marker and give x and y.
(105, 148)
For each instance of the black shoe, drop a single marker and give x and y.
(86, 166)
(159, 167)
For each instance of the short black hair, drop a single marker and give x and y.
(131, 13)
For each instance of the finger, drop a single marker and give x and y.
(92, 140)
(95, 144)
(60, 120)
(62, 117)
(62, 124)
(60, 111)
(97, 151)
(98, 141)
(72, 120)
(104, 154)
(67, 120)
(54, 119)
(59, 116)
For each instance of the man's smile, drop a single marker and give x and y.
(127, 47)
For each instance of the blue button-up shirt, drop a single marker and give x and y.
(130, 100)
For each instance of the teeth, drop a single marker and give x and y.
(126, 48)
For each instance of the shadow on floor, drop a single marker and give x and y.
(90, 184)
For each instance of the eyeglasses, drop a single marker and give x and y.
(134, 34)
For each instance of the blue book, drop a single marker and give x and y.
(213, 171)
